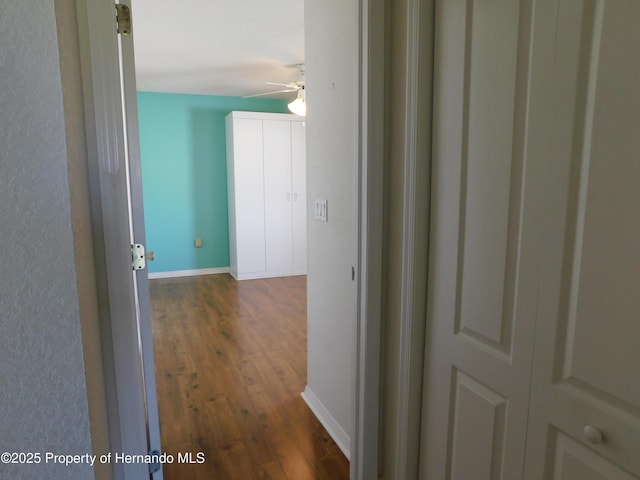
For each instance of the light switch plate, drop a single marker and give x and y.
(320, 210)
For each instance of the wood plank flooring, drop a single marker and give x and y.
(230, 365)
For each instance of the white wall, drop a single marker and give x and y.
(331, 84)
(48, 379)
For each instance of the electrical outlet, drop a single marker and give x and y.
(198, 243)
(320, 212)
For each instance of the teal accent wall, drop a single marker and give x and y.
(184, 176)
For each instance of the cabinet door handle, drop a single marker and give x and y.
(288, 197)
(295, 197)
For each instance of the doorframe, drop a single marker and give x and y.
(102, 101)
(364, 448)
(412, 40)
(120, 340)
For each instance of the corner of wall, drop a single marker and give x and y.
(44, 400)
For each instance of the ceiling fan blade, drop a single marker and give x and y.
(271, 93)
(281, 84)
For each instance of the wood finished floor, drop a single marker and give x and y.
(230, 365)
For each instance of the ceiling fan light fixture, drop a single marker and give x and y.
(299, 105)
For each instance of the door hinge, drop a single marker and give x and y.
(155, 464)
(123, 19)
(138, 260)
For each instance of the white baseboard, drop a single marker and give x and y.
(328, 422)
(188, 273)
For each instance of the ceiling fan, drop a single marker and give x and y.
(290, 87)
(298, 106)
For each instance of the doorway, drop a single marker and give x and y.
(112, 227)
(340, 421)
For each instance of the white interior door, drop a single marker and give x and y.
(137, 235)
(585, 407)
(112, 142)
(299, 196)
(482, 267)
(534, 282)
(277, 195)
(246, 189)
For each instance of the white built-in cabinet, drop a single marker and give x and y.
(266, 180)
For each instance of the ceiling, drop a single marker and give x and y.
(217, 47)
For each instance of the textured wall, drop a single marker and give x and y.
(184, 175)
(331, 69)
(43, 397)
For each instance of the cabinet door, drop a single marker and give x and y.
(482, 268)
(248, 196)
(277, 195)
(587, 360)
(299, 189)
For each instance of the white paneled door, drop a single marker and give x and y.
(533, 366)
(585, 403)
(482, 277)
